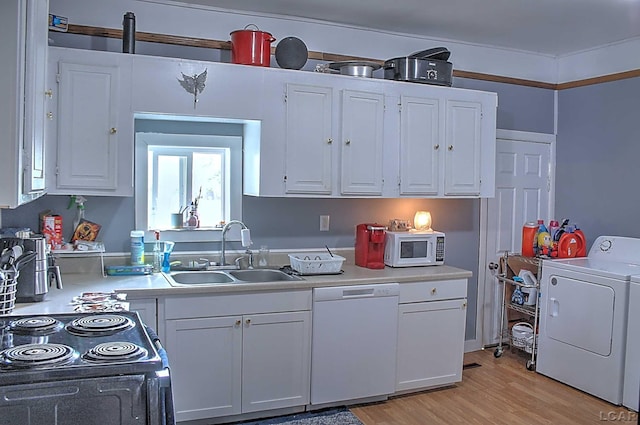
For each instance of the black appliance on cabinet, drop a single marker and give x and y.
(83, 368)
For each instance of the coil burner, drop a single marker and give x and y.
(114, 351)
(99, 324)
(36, 355)
(39, 325)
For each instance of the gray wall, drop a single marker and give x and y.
(598, 152)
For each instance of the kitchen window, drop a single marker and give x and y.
(173, 170)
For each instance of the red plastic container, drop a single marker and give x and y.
(370, 239)
(582, 243)
(249, 47)
(568, 245)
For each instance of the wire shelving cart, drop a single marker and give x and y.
(524, 336)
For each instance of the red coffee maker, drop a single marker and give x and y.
(370, 245)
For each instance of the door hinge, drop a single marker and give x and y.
(58, 78)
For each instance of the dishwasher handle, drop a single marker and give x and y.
(333, 293)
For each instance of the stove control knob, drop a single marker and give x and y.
(432, 74)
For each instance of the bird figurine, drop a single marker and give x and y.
(194, 84)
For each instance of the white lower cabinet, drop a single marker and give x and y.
(431, 331)
(146, 308)
(227, 364)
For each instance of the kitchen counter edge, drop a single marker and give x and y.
(154, 286)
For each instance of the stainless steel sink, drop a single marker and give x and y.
(217, 277)
(262, 275)
(200, 278)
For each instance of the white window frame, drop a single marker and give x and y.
(233, 209)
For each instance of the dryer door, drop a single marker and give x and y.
(580, 314)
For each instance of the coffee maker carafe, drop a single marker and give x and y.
(370, 245)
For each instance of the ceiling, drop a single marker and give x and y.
(550, 27)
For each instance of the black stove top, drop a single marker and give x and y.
(74, 345)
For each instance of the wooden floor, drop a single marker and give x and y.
(499, 391)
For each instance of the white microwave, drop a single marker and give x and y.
(414, 248)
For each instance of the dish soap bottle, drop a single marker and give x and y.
(157, 253)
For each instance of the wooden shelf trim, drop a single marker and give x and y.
(333, 57)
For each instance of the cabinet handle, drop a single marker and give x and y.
(238, 322)
(348, 142)
(113, 130)
(50, 115)
(329, 140)
(436, 147)
(433, 291)
(464, 305)
(450, 147)
(49, 93)
(247, 322)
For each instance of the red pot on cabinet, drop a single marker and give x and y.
(249, 47)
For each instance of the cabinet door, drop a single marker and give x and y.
(147, 311)
(87, 142)
(205, 356)
(276, 360)
(308, 139)
(430, 344)
(35, 82)
(419, 145)
(362, 138)
(462, 156)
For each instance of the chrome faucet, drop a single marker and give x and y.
(246, 240)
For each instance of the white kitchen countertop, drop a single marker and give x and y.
(153, 286)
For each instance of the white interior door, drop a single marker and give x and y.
(524, 192)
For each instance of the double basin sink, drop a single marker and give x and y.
(217, 277)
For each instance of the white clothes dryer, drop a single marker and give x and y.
(631, 393)
(583, 317)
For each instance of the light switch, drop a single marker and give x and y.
(324, 223)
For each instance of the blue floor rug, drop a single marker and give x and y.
(337, 416)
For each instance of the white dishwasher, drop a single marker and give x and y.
(354, 340)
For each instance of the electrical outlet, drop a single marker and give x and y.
(324, 223)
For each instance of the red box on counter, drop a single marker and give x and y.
(51, 228)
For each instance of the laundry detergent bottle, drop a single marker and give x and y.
(568, 244)
(529, 232)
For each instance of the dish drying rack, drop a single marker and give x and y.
(8, 283)
(529, 314)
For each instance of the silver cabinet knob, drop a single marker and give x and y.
(113, 130)
(329, 140)
(347, 142)
(436, 147)
(450, 147)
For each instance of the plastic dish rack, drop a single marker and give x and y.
(316, 263)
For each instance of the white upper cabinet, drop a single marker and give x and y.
(362, 143)
(23, 111)
(420, 128)
(333, 137)
(94, 150)
(309, 139)
(447, 143)
(306, 134)
(463, 148)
